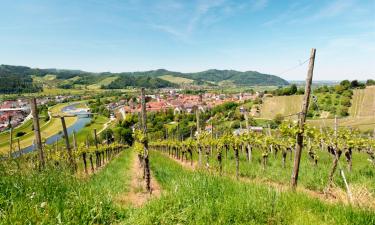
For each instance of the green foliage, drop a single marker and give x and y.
(98, 107)
(143, 81)
(236, 77)
(17, 79)
(370, 82)
(291, 90)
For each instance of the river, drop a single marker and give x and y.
(82, 120)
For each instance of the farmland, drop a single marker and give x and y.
(104, 82)
(361, 112)
(176, 80)
(284, 105)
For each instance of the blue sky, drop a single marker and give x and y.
(191, 35)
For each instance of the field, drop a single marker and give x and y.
(363, 103)
(284, 105)
(48, 129)
(176, 80)
(361, 112)
(105, 81)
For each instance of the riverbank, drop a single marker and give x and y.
(48, 129)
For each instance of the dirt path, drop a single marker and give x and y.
(362, 197)
(138, 196)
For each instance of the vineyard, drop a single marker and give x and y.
(192, 176)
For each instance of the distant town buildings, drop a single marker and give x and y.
(184, 103)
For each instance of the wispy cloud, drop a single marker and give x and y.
(297, 13)
(334, 8)
(204, 13)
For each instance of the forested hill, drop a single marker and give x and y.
(18, 79)
(238, 78)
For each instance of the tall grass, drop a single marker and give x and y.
(54, 196)
(199, 198)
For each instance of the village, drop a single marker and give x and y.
(184, 103)
(13, 113)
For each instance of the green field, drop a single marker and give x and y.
(106, 81)
(284, 105)
(176, 80)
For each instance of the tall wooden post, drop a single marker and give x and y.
(144, 129)
(97, 155)
(247, 122)
(198, 134)
(302, 119)
(74, 140)
(38, 138)
(96, 139)
(70, 154)
(10, 137)
(19, 145)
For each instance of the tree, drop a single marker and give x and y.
(278, 119)
(370, 82)
(345, 84)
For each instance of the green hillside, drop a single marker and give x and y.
(18, 79)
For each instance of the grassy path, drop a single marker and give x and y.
(200, 198)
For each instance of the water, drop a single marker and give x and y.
(82, 120)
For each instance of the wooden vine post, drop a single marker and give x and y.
(70, 154)
(74, 141)
(145, 141)
(10, 136)
(97, 149)
(198, 134)
(302, 119)
(38, 138)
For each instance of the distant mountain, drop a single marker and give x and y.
(17, 75)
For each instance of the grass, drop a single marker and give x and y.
(106, 81)
(97, 123)
(48, 129)
(284, 105)
(200, 198)
(361, 123)
(176, 80)
(311, 178)
(54, 196)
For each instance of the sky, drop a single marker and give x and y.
(273, 37)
